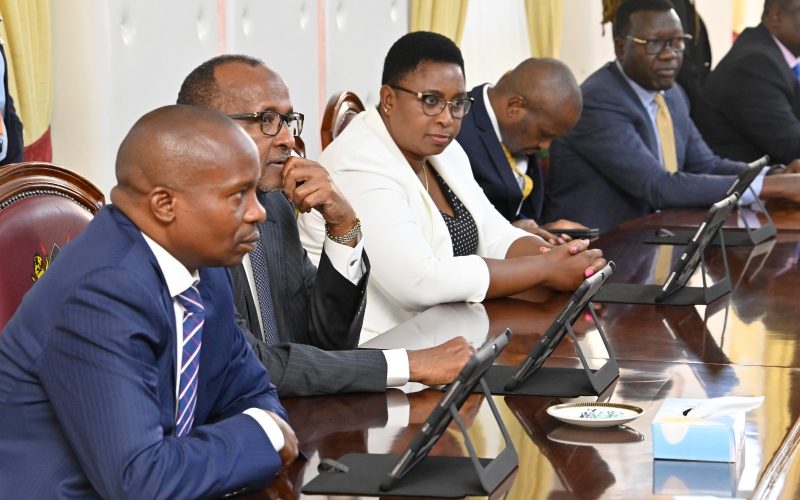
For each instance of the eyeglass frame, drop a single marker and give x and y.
(447, 104)
(664, 43)
(284, 118)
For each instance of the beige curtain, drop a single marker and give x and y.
(26, 32)
(446, 17)
(739, 14)
(545, 26)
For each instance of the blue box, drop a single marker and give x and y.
(677, 437)
(687, 478)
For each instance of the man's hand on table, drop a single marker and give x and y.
(441, 364)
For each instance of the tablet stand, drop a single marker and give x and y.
(630, 293)
(748, 236)
(447, 477)
(559, 381)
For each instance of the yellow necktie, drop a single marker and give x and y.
(667, 135)
(527, 188)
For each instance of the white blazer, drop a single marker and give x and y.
(405, 236)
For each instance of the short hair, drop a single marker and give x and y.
(200, 88)
(772, 4)
(413, 48)
(622, 20)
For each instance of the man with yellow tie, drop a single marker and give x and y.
(635, 149)
(508, 125)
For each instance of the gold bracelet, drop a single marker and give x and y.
(346, 237)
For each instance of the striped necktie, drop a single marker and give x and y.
(193, 318)
(269, 327)
(667, 134)
(527, 186)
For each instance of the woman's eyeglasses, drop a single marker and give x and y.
(433, 104)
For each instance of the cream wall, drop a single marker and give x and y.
(114, 60)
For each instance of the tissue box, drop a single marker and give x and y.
(676, 437)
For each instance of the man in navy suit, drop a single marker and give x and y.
(751, 101)
(513, 121)
(615, 165)
(97, 399)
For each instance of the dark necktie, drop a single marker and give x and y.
(258, 260)
(193, 318)
(797, 71)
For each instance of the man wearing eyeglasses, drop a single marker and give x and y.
(751, 101)
(304, 321)
(635, 149)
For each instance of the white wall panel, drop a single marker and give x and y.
(113, 62)
(284, 35)
(495, 40)
(718, 17)
(358, 35)
(584, 48)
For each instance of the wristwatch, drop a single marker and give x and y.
(346, 237)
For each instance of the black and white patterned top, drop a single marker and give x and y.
(462, 228)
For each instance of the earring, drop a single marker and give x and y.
(385, 109)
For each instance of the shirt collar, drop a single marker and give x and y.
(176, 275)
(490, 112)
(646, 96)
(791, 60)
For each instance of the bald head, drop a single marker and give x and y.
(183, 175)
(168, 145)
(542, 81)
(535, 102)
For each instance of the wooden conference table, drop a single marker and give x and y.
(744, 344)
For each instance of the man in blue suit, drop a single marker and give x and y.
(508, 125)
(635, 149)
(123, 373)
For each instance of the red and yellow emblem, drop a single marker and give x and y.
(42, 261)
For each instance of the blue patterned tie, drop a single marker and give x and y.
(258, 260)
(796, 69)
(193, 318)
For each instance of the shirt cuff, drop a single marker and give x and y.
(345, 259)
(397, 370)
(747, 197)
(270, 426)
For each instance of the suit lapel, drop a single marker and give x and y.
(491, 143)
(166, 391)
(652, 140)
(278, 265)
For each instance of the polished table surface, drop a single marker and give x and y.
(744, 344)
(784, 216)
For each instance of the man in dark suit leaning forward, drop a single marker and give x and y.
(123, 373)
(508, 125)
(635, 149)
(306, 329)
(751, 101)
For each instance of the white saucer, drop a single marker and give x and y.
(595, 414)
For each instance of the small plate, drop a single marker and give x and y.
(595, 414)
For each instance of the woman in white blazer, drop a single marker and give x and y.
(430, 233)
